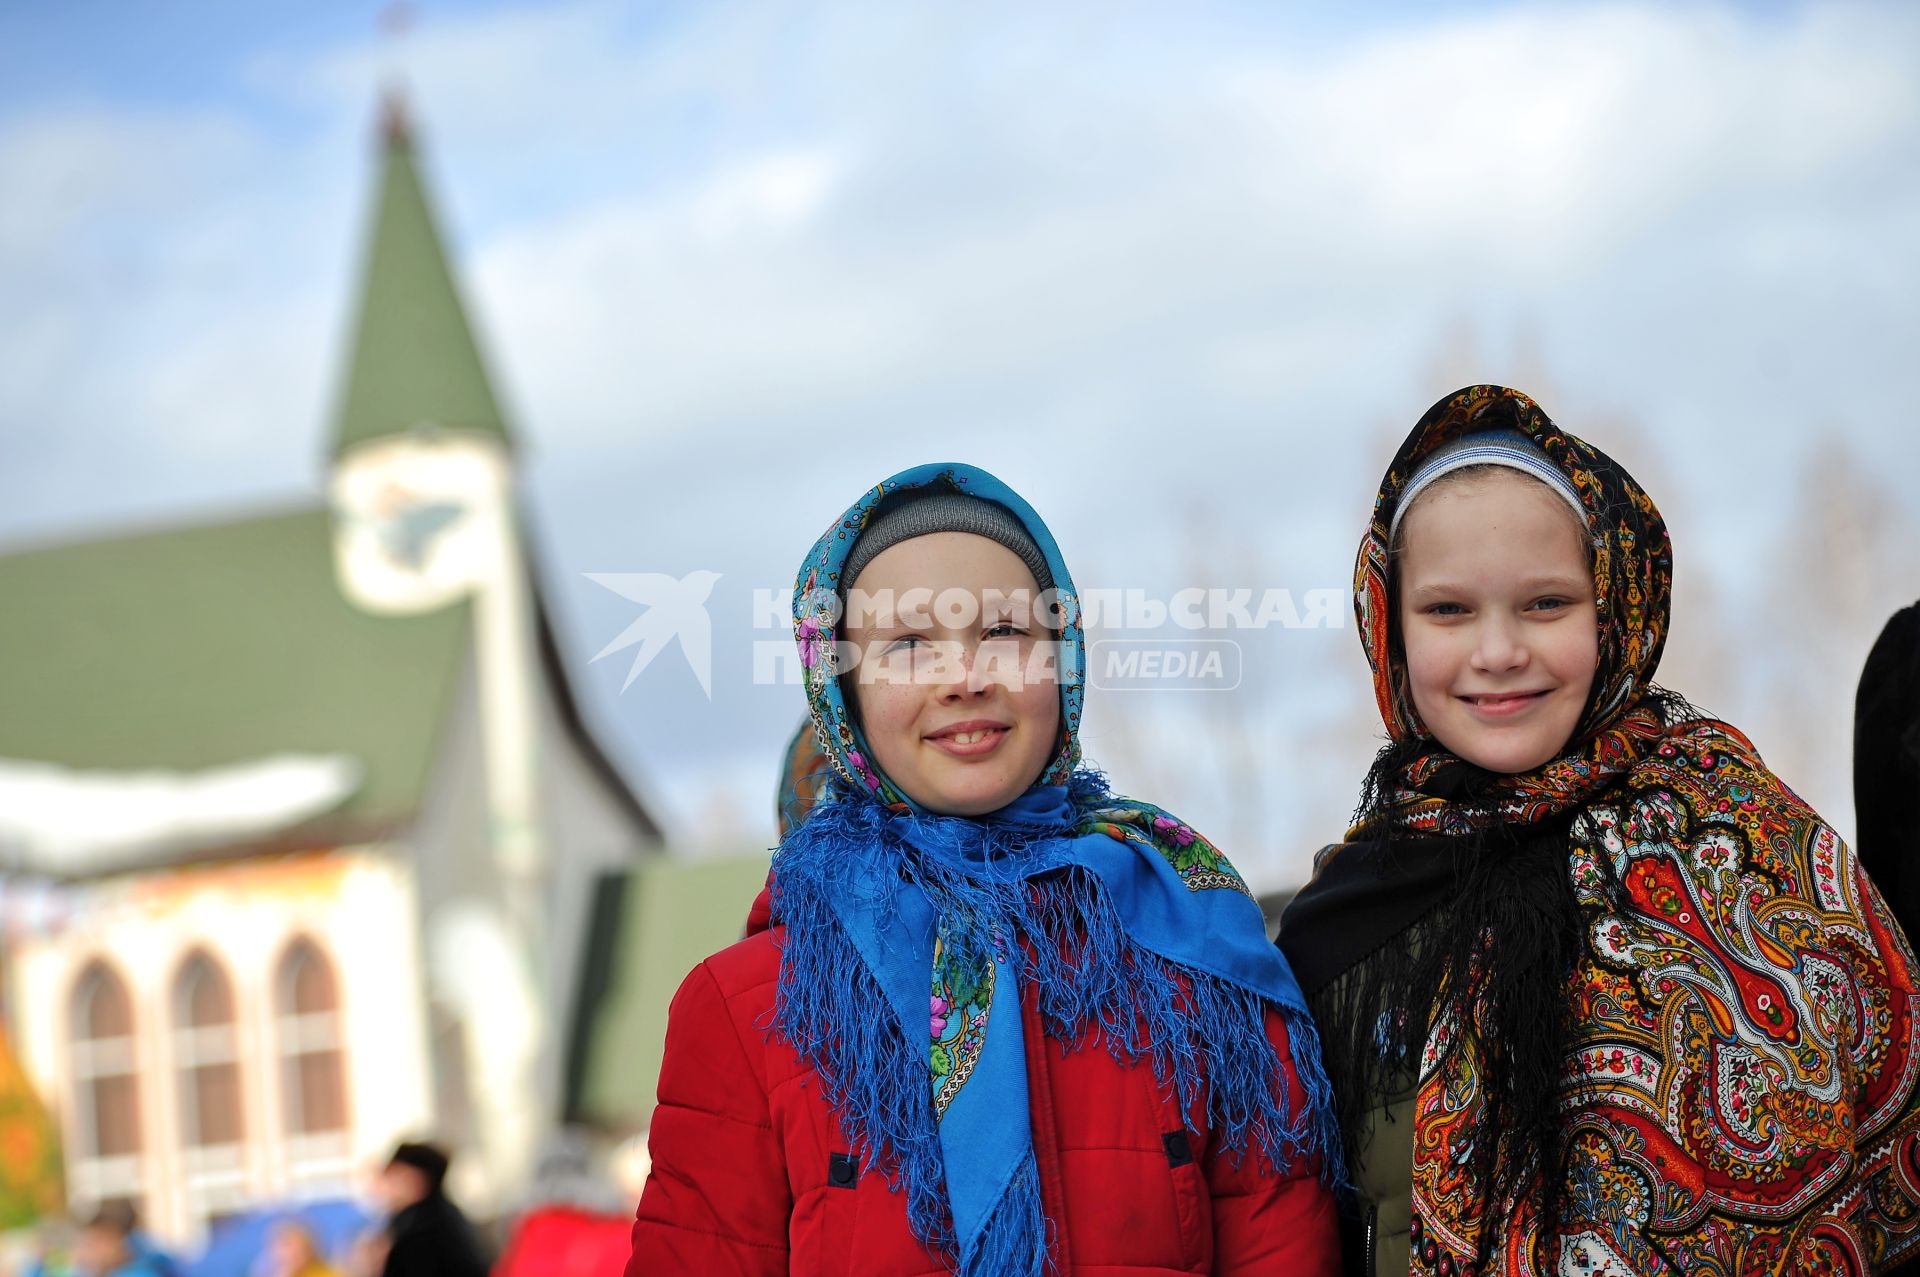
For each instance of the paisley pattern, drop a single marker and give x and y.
(1743, 1093)
(1632, 556)
(962, 999)
(1742, 1097)
(1530, 797)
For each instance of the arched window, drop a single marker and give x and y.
(206, 1050)
(307, 1011)
(107, 1102)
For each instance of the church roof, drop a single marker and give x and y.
(223, 643)
(414, 360)
(229, 644)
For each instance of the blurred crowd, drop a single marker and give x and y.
(418, 1230)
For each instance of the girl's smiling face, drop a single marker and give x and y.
(1496, 617)
(960, 709)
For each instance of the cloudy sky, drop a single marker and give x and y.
(1181, 273)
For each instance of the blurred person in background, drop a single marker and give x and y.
(805, 771)
(1886, 765)
(367, 1253)
(294, 1251)
(110, 1245)
(427, 1235)
(48, 1250)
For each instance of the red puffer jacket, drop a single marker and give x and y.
(752, 1174)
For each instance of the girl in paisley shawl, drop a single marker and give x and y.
(1000, 1020)
(1598, 993)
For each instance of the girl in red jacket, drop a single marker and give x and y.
(1003, 1021)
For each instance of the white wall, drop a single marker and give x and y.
(356, 905)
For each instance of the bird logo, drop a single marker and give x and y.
(674, 609)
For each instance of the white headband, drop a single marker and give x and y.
(1507, 448)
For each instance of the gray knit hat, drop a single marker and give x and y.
(926, 512)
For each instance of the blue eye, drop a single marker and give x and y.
(1446, 609)
(1006, 629)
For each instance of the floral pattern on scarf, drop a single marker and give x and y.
(1741, 1098)
(911, 935)
(816, 614)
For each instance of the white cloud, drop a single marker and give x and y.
(776, 193)
(735, 264)
(1546, 140)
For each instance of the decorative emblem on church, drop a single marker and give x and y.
(420, 519)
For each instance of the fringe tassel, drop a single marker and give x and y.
(1014, 1242)
(1205, 1037)
(1323, 1135)
(832, 1010)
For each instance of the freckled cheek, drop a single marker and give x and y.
(888, 714)
(1035, 692)
(1039, 706)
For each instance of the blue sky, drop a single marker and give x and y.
(1182, 274)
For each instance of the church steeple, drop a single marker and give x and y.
(414, 360)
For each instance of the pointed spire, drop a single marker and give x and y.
(396, 121)
(414, 360)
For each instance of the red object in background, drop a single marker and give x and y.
(559, 1241)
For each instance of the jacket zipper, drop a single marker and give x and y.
(1370, 1238)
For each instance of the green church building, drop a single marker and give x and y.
(324, 852)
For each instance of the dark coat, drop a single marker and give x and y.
(1886, 766)
(431, 1238)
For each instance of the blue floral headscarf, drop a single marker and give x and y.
(1118, 916)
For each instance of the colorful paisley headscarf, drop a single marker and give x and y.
(1116, 915)
(1740, 1094)
(1633, 583)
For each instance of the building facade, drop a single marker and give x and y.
(322, 816)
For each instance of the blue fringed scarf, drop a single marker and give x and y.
(1122, 919)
